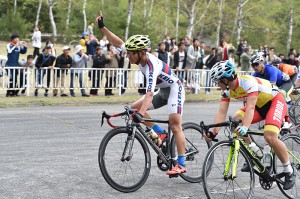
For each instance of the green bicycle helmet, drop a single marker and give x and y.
(137, 42)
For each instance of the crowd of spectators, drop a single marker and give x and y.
(182, 56)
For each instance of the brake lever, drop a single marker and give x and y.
(104, 115)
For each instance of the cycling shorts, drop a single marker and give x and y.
(173, 96)
(273, 113)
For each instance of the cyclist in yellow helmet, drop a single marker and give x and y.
(158, 74)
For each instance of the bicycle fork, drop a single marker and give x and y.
(128, 145)
(232, 159)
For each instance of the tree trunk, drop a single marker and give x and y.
(192, 15)
(177, 19)
(130, 2)
(68, 15)
(166, 17)
(238, 21)
(15, 7)
(220, 5)
(145, 9)
(51, 4)
(290, 34)
(38, 13)
(150, 13)
(84, 15)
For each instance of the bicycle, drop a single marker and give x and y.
(222, 175)
(124, 156)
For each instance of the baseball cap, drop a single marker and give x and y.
(78, 48)
(48, 46)
(66, 48)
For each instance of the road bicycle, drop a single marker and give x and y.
(222, 175)
(124, 156)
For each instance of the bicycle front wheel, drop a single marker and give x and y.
(215, 184)
(292, 143)
(195, 150)
(129, 174)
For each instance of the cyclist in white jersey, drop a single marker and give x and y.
(158, 74)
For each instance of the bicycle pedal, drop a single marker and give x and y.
(173, 176)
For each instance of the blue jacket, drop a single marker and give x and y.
(91, 47)
(13, 53)
(272, 74)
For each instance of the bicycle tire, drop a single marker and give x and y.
(105, 158)
(194, 141)
(212, 183)
(292, 142)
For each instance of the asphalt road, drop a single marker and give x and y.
(52, 152)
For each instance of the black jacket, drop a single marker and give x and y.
(211, 60)
(99, 61)
(163, 56)
(62, 61)
(176, 60)
(44, 61)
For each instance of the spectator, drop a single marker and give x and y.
(291, 60)
(210, 62)
(240, 51)
(266, 51)
(163, 55)
(180, 57)
(28, 69)
(111, 75)
(63, 62)
(167, 42)
(171, 57)
(125, 64)
(44, 64)
(36, 41)
(14, 48)
(281, 56)
(53, 50)
(271, 56)
(173, 44)
(84, 38)
(245, 60)
(91, 45)
(193, 54)
(223, 51)
(90, 28)
(187, 43)
(79, 60)
(103, 44)
(200, 63)
(99, 61)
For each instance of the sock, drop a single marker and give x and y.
(158, 129)
(181, 160)
(287, 168)
(287, 119)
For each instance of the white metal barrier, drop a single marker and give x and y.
(19, 78)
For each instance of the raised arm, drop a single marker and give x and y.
(110, 36)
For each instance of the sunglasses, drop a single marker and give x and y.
(130, 53)
(254, 65)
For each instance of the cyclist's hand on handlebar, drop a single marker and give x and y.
(242, 130)
(137, 117)
(209, 136)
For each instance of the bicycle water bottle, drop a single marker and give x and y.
(267, 157)
(255, 149)
(155, 137)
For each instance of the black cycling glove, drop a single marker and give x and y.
(101, 22)
(137, 117)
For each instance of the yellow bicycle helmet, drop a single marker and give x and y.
(137, 42)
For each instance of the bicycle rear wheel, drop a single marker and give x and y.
(292, 142)
(215, 184)
(127, 175)
(195, 149)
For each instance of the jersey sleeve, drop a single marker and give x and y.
(272, 72)
(151, 76)
(251, 87)
(225, 96)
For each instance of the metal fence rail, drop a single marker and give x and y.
(19, 78)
